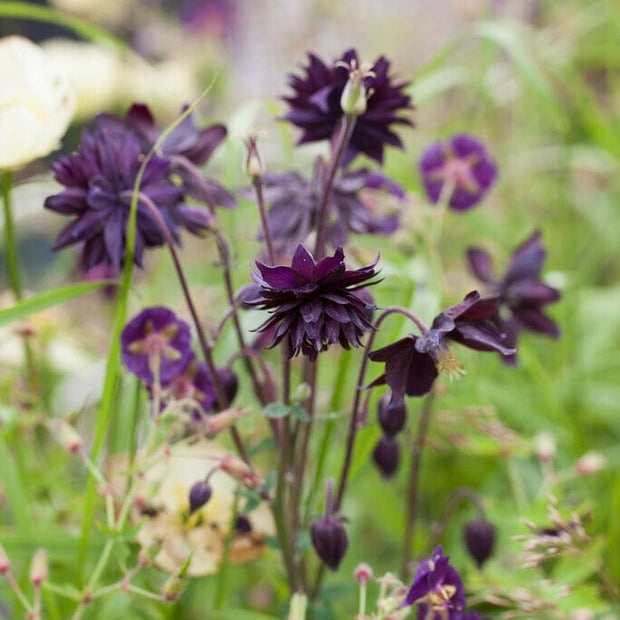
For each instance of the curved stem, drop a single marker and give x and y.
(411, 506)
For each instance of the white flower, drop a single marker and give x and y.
(36, 103)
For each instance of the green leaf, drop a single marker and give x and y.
(297, 411)
(276, 410)
(48, 299)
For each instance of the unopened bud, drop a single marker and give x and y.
(254, 167)
(199, 495)
(302, 393)
(229, 382)
(590, 463)
(544, 447)
(66, 435)
(387, 456)
(479, 535)
(38, 568)
(392, 415)
(221, 421)
(363, 573)
(5, 563)
(173, 588)
(243, 527)
(240, 471)
(330, 540)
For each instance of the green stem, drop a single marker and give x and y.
(10, 238)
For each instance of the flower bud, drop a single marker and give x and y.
(221, 421)
(479, 535)
(392, 415)
(544, 447)
(240, 471)
(173, 588)
(229, 381)
(254, 167)
(243, 526)
(363, 573)
(590, 463)
(387, 456)
(199, 495)
(330, 541)
(66, 435)
(38, 568)
(5, 563)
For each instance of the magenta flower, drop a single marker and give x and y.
(413, 363)
(156, 343)
(315, 105)
(314, 304)
(461, 166)
(522, 294)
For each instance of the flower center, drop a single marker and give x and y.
(448, 364)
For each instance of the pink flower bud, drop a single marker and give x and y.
(38, 569)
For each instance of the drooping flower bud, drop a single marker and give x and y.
(229, 381)
(392, 415)
(330, 540)
(240, 471)
(387, 456)
(199, 495)
(5, 563)
(38, 568)
(479, 536)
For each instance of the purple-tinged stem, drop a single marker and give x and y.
(411, 502)
(257, 184)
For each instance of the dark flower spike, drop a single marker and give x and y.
(99, 181)
(461, 164)
(437, 589)
(156, 344)
(522, 294)
(413, 363)
(294, 205)
(315, 105)
(314, 304)
(187, 147)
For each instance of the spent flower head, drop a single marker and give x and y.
(413, 363)
(314, 304)
(316, 103)
(522, 294)
(460, 166)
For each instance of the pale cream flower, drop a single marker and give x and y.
(36, 103)
(110, 12)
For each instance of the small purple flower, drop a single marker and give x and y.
(437, 589)
(156, 343)
(413, 363)
(99, 181)
(463, 166)
(187, 147)
(316, 109)
(314, 304)
(522, 294)
(294, 205)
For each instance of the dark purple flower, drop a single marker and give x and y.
(479, 535)
(294, 205)
(330, 540)
(99, 180)
(386, 456)
(314, 304)
(437, 589)
(522, 294)
(461, 166)
(156, 343)
(315, 105)
(413, 363)
(186, 147)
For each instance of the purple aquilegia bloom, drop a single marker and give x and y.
(99, 180)
(413, 363)
(294, 205)
(461, 164)
(315, 105)
(522, 294)
(437, 589)
(187, 147)
(314, 304)
(156, 343)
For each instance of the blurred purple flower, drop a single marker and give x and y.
(521, 292)
(437, 589)
(99, 180)
(463, 166)
(413, 363)
(209, 18)
(294, 205)
(156, 343)
(314, 304)
(187, 147)
(315, 105)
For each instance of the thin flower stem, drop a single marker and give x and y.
(205, 346)
(411, 506)
(14, 586)
(257, 184)
(338, 148)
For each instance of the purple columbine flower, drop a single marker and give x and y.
(462, 166)
(294, 205)
(315, 105)
(187, 147)
(522, 294)
(156, 343)
(437, 589)
(413, 363)
(314, 304)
